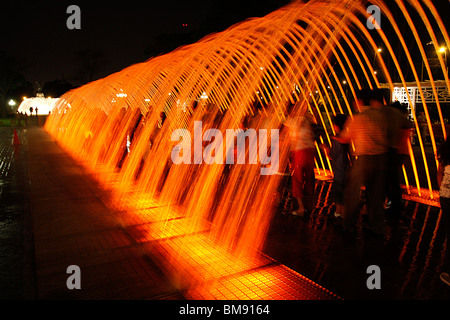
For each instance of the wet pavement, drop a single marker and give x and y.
(52, 217)
(16, 250)
(410, 257)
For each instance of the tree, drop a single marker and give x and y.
(91, 65)
(13, 84)
(56, 88)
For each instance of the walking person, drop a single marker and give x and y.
(340, 163)
(368, 131)
(443, 179)
(302, 161)
(399, 135)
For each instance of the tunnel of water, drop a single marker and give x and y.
(310, 56)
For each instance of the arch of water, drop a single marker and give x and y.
(254, 74)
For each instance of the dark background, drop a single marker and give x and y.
(39, 53)
(38, 48)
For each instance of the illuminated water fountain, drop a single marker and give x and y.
(208, 221)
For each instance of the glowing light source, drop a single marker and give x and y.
(43, 105)
(121, 94)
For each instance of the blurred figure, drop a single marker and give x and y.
(399, 135)
(18, 118)
(302, 161)
(423, 125)
(369, 133)
(443, 179)
(339, 158)
(162, 119)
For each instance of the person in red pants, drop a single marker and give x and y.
(302, 161)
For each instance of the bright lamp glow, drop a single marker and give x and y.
(44, 105)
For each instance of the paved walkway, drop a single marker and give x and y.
(410, 257)
(16, 244)
(72, 225)
(130, 252)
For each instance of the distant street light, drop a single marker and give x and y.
(443, 50)
(12, 103)
(375, 55)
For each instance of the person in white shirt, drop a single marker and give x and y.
(302, 154)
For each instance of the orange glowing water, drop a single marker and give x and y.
(317, 53)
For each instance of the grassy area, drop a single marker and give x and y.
(7, 122)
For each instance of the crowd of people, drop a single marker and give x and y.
(366, 153)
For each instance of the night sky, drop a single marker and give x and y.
(121, 33)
